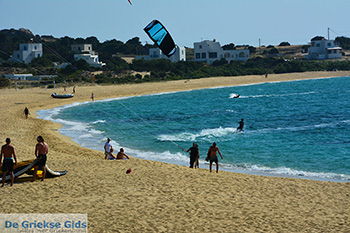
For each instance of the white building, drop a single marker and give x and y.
(156, 53)
(324, 49)
(27, 52)
(29, 77)
(209, 51)
(82, 48)
(92, 60)
(85, 52)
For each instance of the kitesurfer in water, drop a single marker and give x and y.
(241, 125)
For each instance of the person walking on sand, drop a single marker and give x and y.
(41, 150)
(73, 89)
(122, 155)
(240, 126)
(26, 112)
(194, 155)
(212, 156)
(8, 151)
(108, 150)
(92, 97)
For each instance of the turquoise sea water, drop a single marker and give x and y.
(299, 128)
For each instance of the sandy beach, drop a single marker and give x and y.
(160, 197)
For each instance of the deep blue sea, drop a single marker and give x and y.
(294, 129)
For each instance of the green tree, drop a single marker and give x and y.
(285, 43)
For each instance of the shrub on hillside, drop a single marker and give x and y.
(4, 82)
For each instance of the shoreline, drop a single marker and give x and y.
(156, 196)
(263, 171)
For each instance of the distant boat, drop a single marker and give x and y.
(61, 96)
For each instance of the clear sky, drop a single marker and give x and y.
(188, 21)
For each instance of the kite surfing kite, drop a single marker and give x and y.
(130, 2)
(161, 37)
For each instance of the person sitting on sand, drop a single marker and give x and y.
(26, 112)
(8, 151)
(41, 150)
(122, 155)
(213, 158)
(108, 150)
(194, 155)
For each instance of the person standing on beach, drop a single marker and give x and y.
(241, 125)
(92, 97)
(26, 112)
(8, 151)
(108, 150)
(41, 150)
(73, 90)
(212, 156)
(194, 155)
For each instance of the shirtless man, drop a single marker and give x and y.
(41, 150)
(8, 151)
(122, 155)
(213, 157)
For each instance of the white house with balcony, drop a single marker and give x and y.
(27, 52)
(156, 53)
(85, 52)
(323, 49)
(209, 51)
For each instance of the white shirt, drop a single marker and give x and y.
(108, 147)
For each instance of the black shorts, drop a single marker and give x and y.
(41, 161)
(193, 159)
(7, 165)
(214, 159)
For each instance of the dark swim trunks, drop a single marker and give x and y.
(41, 161)
(7, 165)
(214, 159)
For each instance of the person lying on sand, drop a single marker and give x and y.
(122, 155)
